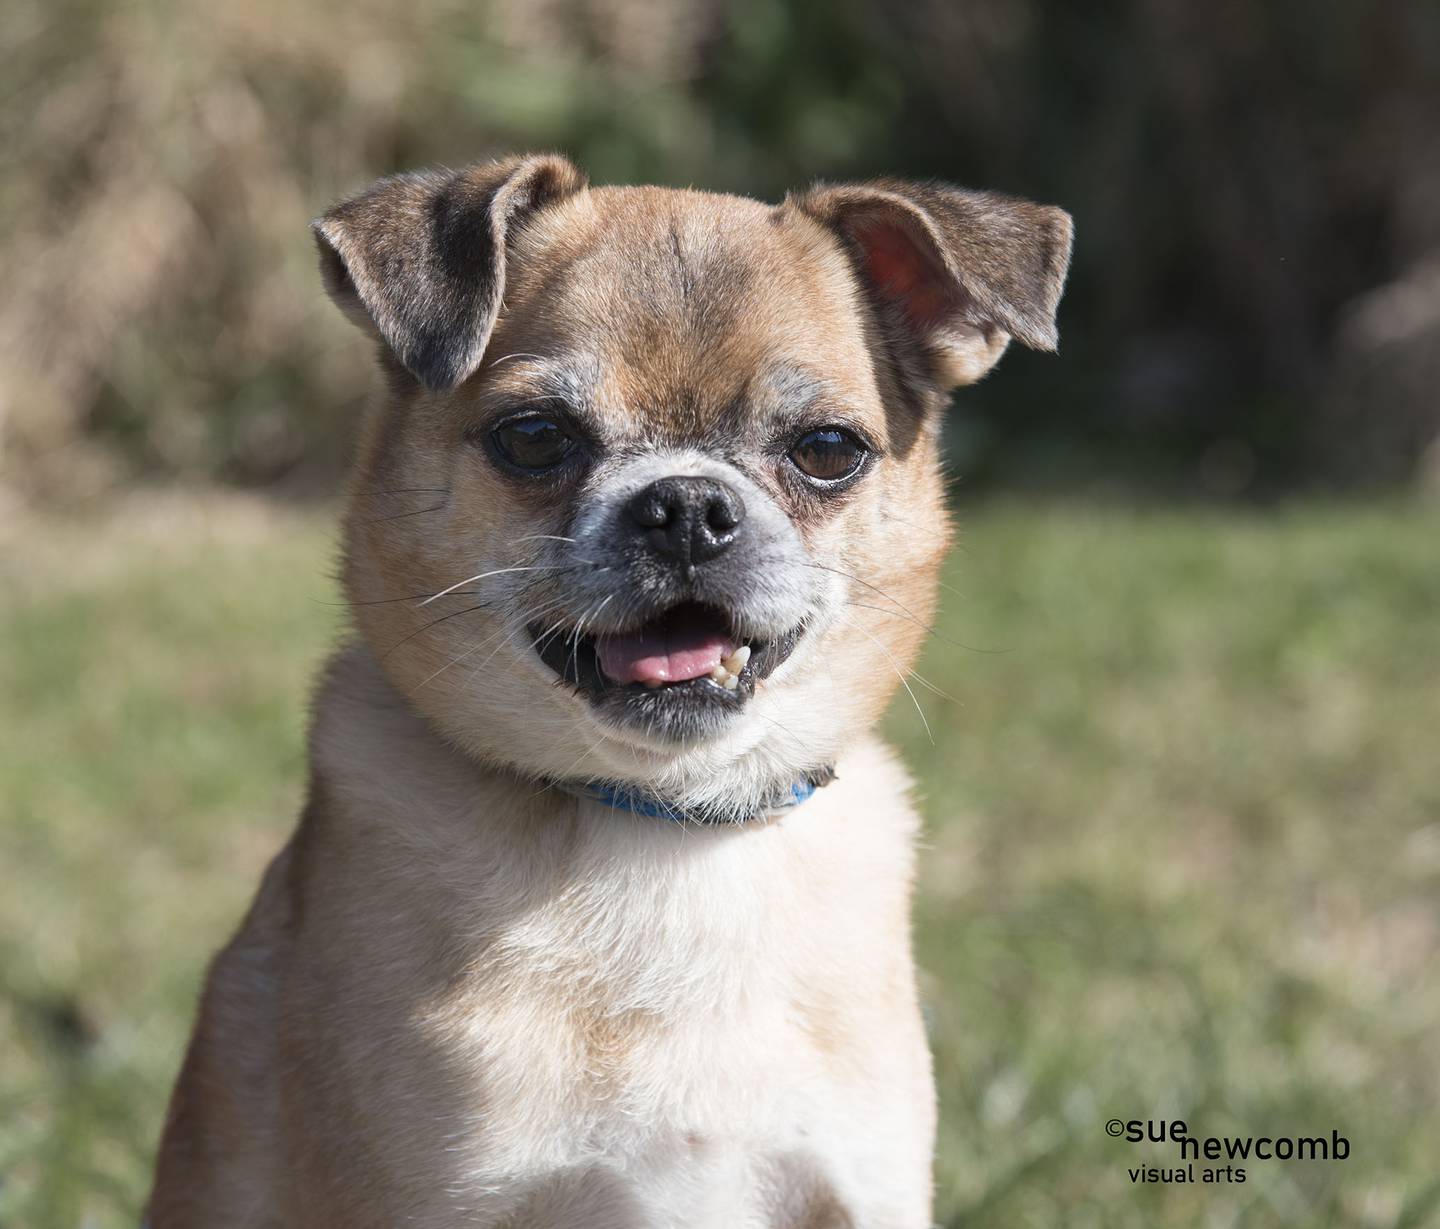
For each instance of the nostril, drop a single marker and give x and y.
(724, 511)
(721, 516)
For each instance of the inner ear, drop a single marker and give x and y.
(902, 273)
(901, 262)
(957, 273)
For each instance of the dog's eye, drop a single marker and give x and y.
(828, 455)
(534, 443)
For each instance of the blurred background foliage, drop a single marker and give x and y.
(1255, 304)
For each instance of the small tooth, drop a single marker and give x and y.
(736, 661)
(732, 681)
(719, 674)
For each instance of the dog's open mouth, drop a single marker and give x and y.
(689, 653)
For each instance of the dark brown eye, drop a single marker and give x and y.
(534, 444)
(828, 455)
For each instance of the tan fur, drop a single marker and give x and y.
(464, 997)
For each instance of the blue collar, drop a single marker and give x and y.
(652, 806)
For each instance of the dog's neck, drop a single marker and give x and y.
(447, 846)
(407, 756)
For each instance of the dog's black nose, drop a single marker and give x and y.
(690, 520)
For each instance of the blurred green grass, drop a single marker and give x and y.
(1182, 856)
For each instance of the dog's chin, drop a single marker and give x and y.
(666, 710)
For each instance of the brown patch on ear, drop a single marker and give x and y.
(963, 271)
(420, 258)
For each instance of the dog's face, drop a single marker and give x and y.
(655, 495)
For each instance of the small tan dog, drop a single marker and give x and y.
(645, 530)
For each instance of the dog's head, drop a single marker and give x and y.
(654, 495)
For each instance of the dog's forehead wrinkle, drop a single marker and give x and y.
(675, 259)
(684, 276)
(680, 258)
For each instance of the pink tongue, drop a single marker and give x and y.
(671, 652)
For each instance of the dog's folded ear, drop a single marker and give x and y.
(959, 273)
(420, 258)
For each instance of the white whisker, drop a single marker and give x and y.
(475, 648)
(542, 567)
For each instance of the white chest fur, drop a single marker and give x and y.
(600, 1019)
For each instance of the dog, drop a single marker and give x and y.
(597, 915)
